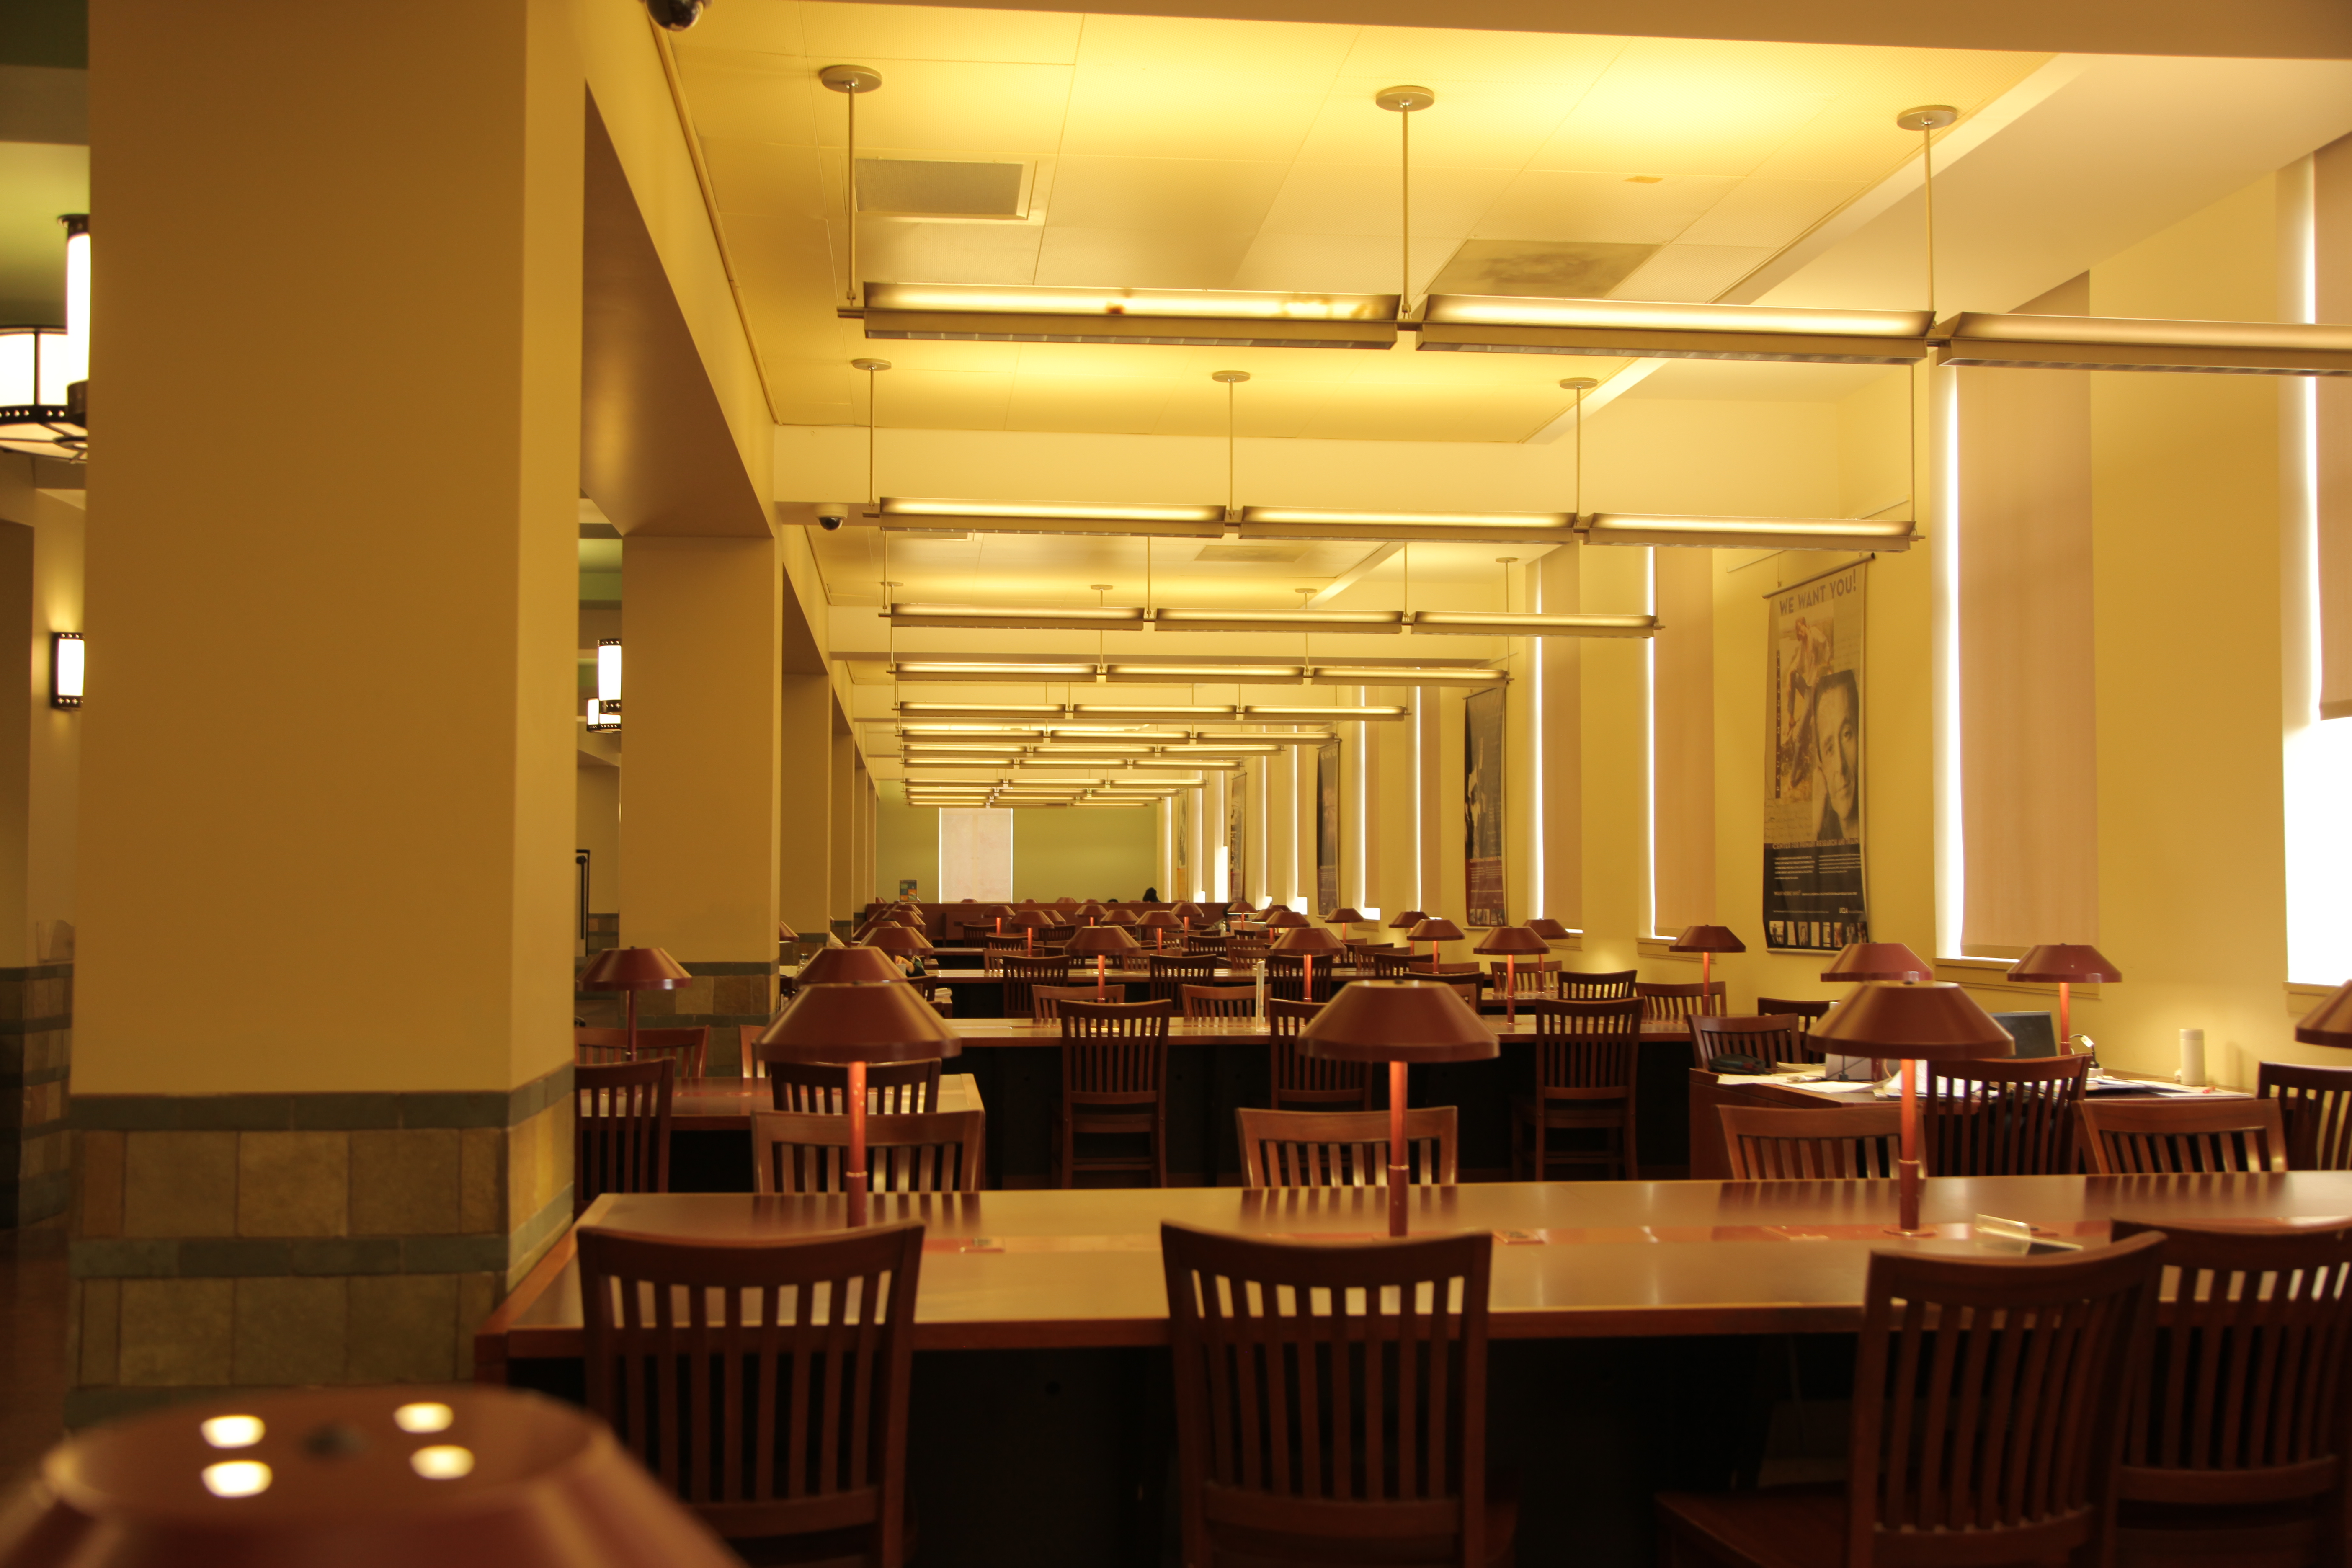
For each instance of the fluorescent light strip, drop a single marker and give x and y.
(1210, 304)
(2113, 343)
(1632, 329)
(1106, 717)
(1752, 532)
(1535, 521)
(1353, 623)
(1372, 621)
(1054, 510)
(1082, 618)
(1489, 622)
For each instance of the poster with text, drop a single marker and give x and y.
(1814, 900)
(1482, 806)
(1326, 829)
(1178, 890)
(1236, 837)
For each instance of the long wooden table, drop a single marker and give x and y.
(726, 1104)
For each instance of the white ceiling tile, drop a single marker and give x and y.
(1163, 193)
(1328, 263)
(1565, 62)
(1473, 125)
(764, 177)
(849, 33)
(753, 97)
(1364, 199)
(1561, 204)
(771, 27)
(1140, 257)
(1769, 212)
(1699, 272)
(901, 251)
(1641, 123)
(951, 106)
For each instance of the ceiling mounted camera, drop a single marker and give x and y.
(677, 16)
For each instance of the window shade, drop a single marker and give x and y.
(2331, 246)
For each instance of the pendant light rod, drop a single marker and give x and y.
(851, 81)
(871, 367)
(1404, 103)
(1580, 385)
(1926, 119)
(1231, 378)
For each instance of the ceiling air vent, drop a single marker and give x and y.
(923, 187)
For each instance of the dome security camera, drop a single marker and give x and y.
(677, 16)
(832, 514)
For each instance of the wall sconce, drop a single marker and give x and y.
(65, 670)
(599, 722)
(608, 675)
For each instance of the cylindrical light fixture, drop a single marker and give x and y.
(65, 670)
(608, 674)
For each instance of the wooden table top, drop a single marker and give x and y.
(726, 1104)
(987, 1033)
(1036, 1268)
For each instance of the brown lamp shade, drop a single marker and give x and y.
(1159, 919)
(849, 965)
(786, 933)
(2330, 1023)
(459, 1478)
(1032, 919)
(1512, 941)
(633, 969)
(1437, 928)
(1307, 941)
(1287, 919)
(1934, 1021)
(1278, 909)
(1238, 907)
(1344, 917)
(898, 939)
(1119, 918)
(1548, 929)
(858, 1023)
(1191, 913)
(1706, 939)
(1090, 910)
(1398, 1021)
(914, 916)
(2073, 963)
(1406, 920)
(1101, 941)
(1878, 961)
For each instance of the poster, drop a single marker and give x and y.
(1482, 806)
(1813, 792)
(1236, 837)
(1176, 889)
(1327, 827)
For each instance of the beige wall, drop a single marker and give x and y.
(40, 751)
(596, 800)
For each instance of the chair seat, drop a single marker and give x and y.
(2274, 1536)
(1263, 1549)
(824, 1548)
(1781, 1527)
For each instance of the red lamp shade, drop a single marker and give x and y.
(1159, 919)
(1437, 928)
(1398, 1021)
(1238, 907)
(1406, 920)
(2072, 963)
(2330, 1023)
(1706, 939)
(1878, 961)
(1547, 928)
(459, 1478)
(633, 969)
(1313, 941)
(1090, 910)
(849, 965)
(1287, 919)
(1101, 941)
(1032, 919)
(1934, 1021)
(898, 939)
(786, 933)
(863, 1022)
(1191, 913)
(1344, 917)
(1272, 909)
(1511, 940)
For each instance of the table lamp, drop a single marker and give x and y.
(2330, 1023)
(1287, 919)
(1706, 941)
(1878, 961)
(1547, 928)
(1405, 921)
(2070, 964)
(1914, 1022)
(1512, 942)
(1398, 1022)
(1308, 942)
(998, 913)
(846, 965)
(1091, 911)
(1159, 922)
(1273, 910)
(1099, 943)
(857, 1023)
(786, 933)
(630, 970)
(454, 1476)
(1239, 907)
(900, 942)
(1119, 918)
(1032, 921)
(1188, 914)
(1343, 918)
(1433, 931)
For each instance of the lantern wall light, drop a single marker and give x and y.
(65, 670)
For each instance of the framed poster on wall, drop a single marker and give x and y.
(1236, 837)
(1482, 806)
(1813, 890)
(1327, 827)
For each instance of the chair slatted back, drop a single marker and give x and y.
(1397, 965)
(1020, 974)
(1245, 952)
(688, 1047)
(1219, 1001)
(1771, 1037)
(1333, 1393)
(1691, 1001)
(1585, 1050)
(1114, 1053)
(1988, 1403)
(1345, 1148)
(1806, 1013)
(819, 1089)
(1045, 1001)
(995, 950)
(2316, 1104)
(2007, 1117)
(764, 1383)
(1170, 975)
(2183, 1137)
(1597, 986)
(1314, 1083)
(1835, 1143)
(2245, 1401)
(937, 1153)
(1211, 946)
(620, 1128)
(1286, 977)
(1528, 977)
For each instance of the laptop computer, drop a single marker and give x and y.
(2036, 1033)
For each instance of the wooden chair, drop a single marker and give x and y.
(620, 1128)
(1285, 978)
(1331, 1401)
(765, 1383)
(995, 950)
(748, 1047)
(1045, 1001)
(1344, 1148)
(817, 1089)
(1807, 1013)
(2009, 1117)
(1536, 977)
(2316, 1104)
(1301, 1082)
(1845, 1142)
(1986, 1416)
(2235, 1451)
(689, 1049)
(1170, 975)
(2181, 1137)
(1587, 1057)
(1208, 946)
(1219, 1001)
(1114, 1083)
(937, 1153)
(1020, 974)
(1597, 986)
(1680, 1001)
(1772, 1037)
(1244, 953)
(1391, 965)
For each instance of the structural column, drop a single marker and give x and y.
(804, 805)
(321, 1090)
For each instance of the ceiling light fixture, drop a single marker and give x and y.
(1752, 532)
(599, 722)
(1369, 622)
(1404, 103)
(1615, 329)
(608, 674)
(2109, 343)
(45, 373)
(849, 81)
(1185, 318)
(1449, 527)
